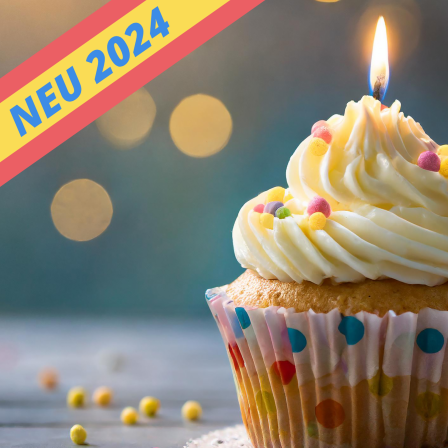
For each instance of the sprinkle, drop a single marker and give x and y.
(383, 106)
(102, 396)
(275, 194)
(318, 147)
(318, 204)
(324, 133)
(282, 212)
(76, 397)
(78, 435)
(319, 124)
(259, 208)
(149, 406)
(129, 416)
(429, 161)
(443, 150)
(317, 221)
(444, 168)
(271, 207)
(48, 379)
(287, 198)
(191, 410)
(267, 220)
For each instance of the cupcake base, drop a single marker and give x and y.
(327, 380)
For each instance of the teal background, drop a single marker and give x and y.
(279, 69)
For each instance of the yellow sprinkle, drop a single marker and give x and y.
(443, 150)
(149, 406)
(318, 147)
(317, 221)
(275, 194)
(129, 416)
(191, 410)
(76, 397)
(267, 220)
(287, 197)
(102, 396)
(78, 435)
(444, 168)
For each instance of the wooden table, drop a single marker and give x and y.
(173, 361)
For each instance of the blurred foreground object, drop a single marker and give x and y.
(111, 361)
(102, 396)
(48, 378)
(191, 410)
(76, 397)
(149, 406)
(78, 435)
(129, 416)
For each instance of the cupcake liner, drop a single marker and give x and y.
(327, 380)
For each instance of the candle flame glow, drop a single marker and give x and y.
(379, 67)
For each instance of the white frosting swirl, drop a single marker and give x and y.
(389, 216)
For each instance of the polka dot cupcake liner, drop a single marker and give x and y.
(328, 380)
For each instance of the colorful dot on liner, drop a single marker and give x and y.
(275, 194)
(430, 340)
(317, 221)
(324, 133)
(318, 204)
(243, 317)
(318, 147)
(319, 124)
(259, 208)
(283, 212)
(297, 340)
(330, 414)
(444, 168)
(428, 405)
(271, 207)
(267, 220)
(352, 328)
(443, 150)
(429, 161)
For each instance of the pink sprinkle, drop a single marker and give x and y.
(319, 124)
(429, 160)
(318, 204)
(324, 133)
(259, 208)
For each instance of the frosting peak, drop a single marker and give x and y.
(389, 216)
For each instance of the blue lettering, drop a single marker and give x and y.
(75, 83)
(46, 100)
(32, 118)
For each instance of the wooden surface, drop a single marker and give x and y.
(173, 361)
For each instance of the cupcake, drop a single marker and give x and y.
(336, 332)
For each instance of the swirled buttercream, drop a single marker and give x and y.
(389, 216)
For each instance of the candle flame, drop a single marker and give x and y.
(379, 67)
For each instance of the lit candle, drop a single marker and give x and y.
(379, 67)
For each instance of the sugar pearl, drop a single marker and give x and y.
(318, 125)
(78, 435)
(76, 397)
(443, 150)
(267, 220)
(275, 194)
(259, 208)
(271, 207)
(318, 204)
(324, 133)
(282, 212)
(191, 410)
(429, 161)
(149, 406)
(318, 147)
(444, 168)
(129, 416)
(317, 221)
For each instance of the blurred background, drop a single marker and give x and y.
(133, 215)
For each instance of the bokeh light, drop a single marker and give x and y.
(200, 125)
(81, 210)
(128, 123)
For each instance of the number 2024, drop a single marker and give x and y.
(158, 26)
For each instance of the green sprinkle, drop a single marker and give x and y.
(282, 212)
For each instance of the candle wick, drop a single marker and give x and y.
(379, 87)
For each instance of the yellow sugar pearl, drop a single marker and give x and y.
(267, 220)
(287, 197)
(275, 194)
(129, 416)
(102, 396)
(76, 397)
(444, 168)
(149, 406)
(443, 150)
(78, 435)
(318, 147)
(317, 221)
(191, 410)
